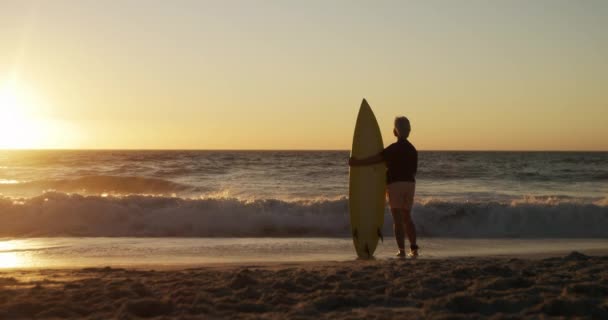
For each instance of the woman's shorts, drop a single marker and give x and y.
(401, 194)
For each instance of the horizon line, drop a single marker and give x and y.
(302, 150)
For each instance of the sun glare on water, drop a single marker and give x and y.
(19, 128)
(8, 258)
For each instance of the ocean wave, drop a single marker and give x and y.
(60, 214)
(97, 184)
(459, 173)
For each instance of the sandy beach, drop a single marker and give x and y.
(574, 285)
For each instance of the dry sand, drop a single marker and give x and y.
(572, 286)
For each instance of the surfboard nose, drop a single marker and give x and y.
(365, 105)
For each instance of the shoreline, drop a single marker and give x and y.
(474, 287)
(346, 255)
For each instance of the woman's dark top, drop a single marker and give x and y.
(401, 160)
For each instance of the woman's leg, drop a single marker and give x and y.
(398, 227)
(410, 228)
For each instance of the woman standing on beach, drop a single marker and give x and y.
(401, 160)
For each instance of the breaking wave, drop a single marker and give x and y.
(61, 214)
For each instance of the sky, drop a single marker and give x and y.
(470, 75)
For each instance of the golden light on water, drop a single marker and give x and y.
(7, 246)
(10, 259)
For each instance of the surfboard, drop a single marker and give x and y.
(367, 185)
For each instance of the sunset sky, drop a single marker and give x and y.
(470, 75)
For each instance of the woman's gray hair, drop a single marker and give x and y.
(402, 125)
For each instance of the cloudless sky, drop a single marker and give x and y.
(470, 75)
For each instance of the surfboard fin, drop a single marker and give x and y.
(355, 234)
(380, 235)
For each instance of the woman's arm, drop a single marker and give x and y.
(366, 161)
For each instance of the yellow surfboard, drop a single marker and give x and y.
(367, 185)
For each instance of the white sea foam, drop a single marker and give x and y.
(60, 214)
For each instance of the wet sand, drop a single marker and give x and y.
(574, 285)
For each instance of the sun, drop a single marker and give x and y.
(18, 126)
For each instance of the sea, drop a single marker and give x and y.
(64, 208)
